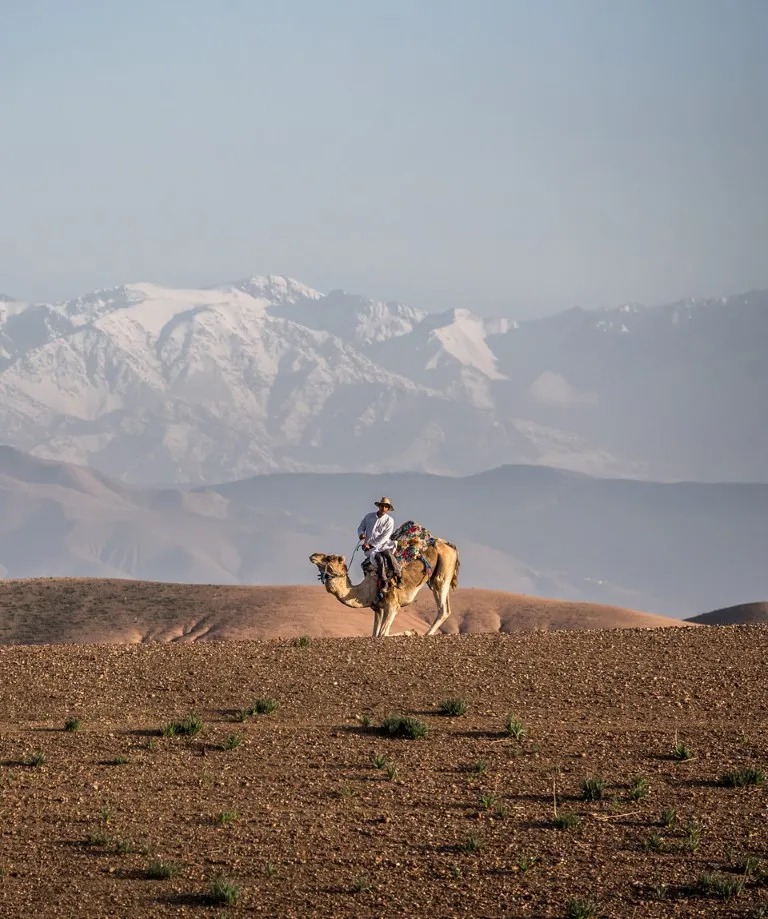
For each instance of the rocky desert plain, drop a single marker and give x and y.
(183, 749)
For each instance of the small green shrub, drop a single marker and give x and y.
(97, 839)
(581, 909)
(655, 843)
(223, 892)
(364, 720)
(188, 726)
(487, 801)
(223, 818)
(158, 870)
(263, 707)
(738, 778)
(119, 761)
(638, 788)
(566, 821)
(378, 760)
(390, 770)
(681, 752)
(232, 742)
(668, 817)
(404, 726)
(526, 862)
(692, 838)
(35, 759)
(471, 844)
(711, 884)
(592, 789)
(72, 725)
(453, 708)
(514, 727)
(303, 641)
(361, 884)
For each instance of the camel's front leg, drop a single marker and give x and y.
(391, 610)
(378, 616)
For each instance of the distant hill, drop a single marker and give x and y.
(91, 611)
(743, 614)
(673, 549)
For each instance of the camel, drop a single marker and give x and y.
(441, 576)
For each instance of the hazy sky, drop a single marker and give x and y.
(512, 156)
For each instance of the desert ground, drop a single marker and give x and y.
(312, 810)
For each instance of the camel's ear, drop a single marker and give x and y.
(343, 559)
(316, 558)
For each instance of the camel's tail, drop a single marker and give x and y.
(455, 578)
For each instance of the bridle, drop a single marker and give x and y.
(324, 575)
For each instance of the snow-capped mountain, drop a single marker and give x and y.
(152, 384)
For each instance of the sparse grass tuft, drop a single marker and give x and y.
(271, 869)
(223, 818)
(592, 788)
(35, 759)
(97, 839)
(361, 884)
(158, 870)
(681, 752)
(668, 817)
(263, 707)
(391, 771)
(223, 892)
(711, 884)
(514, 727)
(378, 760)
(453, 707)
(692, 838)
(232, 742)
(303, 641)
(471, 844)
(738, 778)
(404, 726)
(655, 843)
(526, 862)
(188, 726)
(581, 909)
(638, 788)
(119, 761)
(479, 767)
(487, 800)
(566, 821)
(72, 724)
(364, 720)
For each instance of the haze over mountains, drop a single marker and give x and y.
(155, 385)
(672, 549)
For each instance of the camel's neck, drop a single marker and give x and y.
(355, 595)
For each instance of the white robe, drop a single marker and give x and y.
(377, 533)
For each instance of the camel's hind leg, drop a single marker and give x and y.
(441, 590)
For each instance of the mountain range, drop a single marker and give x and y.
(674, 549)
(154, 385)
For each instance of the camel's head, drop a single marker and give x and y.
(329, 566)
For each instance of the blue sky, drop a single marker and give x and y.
(514, 157)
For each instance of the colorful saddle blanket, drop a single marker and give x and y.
(412, 539)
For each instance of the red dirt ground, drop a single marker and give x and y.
(464, 825)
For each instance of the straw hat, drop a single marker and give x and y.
(384, 502)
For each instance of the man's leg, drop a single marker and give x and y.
(397, 571)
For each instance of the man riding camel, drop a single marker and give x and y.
(375, 533)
